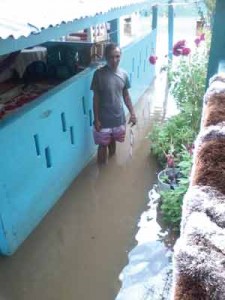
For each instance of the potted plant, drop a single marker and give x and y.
(172, 198)
(168, 178)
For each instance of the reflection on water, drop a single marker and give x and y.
(148, 274)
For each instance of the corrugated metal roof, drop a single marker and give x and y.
(23, 17)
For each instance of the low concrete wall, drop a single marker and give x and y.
(199, 254)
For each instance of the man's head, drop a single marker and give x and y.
(112, 55)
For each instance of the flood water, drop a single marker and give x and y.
(148, 274)
(80, 248)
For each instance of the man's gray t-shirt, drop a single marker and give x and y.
(109, 86)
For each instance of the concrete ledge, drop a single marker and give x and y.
(199, 253)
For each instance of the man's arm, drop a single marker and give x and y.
(97, 123)
(129, 105)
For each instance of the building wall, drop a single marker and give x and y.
(48, 142)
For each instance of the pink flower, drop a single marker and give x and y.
(180, 44)
(190, 148)
(199, 39)
(197, 42)
(180, 48)
(170, 160)
(186, 51)
(152, 59)
(202, 37)
(177, 52)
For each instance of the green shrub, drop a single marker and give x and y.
(170, 136)
(187, 80)
(187, 85)
(172, 199)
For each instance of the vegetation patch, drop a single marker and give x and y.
(172, 141)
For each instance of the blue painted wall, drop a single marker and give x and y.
(170, 29)
(135, 62)
(48, 142)
(42, 150)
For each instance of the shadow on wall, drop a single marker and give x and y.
(199, 255)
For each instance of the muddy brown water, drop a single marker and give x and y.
(79, 249)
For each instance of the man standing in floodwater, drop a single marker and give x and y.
(110, 85)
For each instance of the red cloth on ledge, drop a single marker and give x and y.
(22, 95)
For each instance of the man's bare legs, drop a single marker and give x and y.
(112, 148)
(102, 154)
